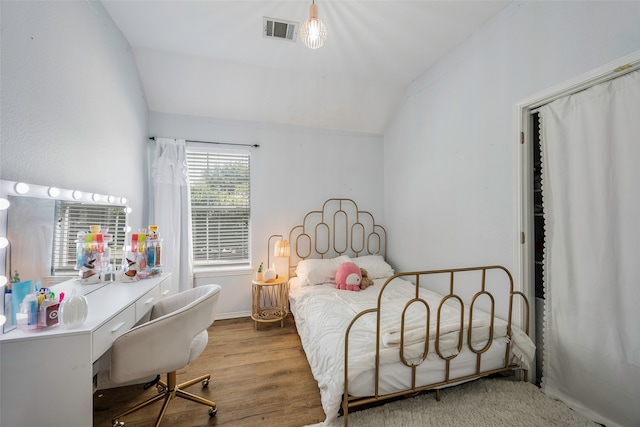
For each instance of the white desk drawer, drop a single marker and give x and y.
(106, 334)
(146, 302)
(165, 288)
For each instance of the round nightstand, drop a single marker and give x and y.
(270, 300)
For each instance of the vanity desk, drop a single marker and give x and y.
(46, 376)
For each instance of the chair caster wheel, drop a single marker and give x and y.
(213, 412)
(205, 383)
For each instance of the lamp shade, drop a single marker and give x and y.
(313, 32)
(281, 248)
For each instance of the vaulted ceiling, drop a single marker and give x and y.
(210, 58)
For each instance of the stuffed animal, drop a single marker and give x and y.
(348, 277)
(365, 282)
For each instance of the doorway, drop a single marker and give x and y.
(529, 221)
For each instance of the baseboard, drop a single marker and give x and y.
(234, 315)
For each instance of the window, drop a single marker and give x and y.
(75, 217)
(220, 210)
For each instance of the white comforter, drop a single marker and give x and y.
(323, 313)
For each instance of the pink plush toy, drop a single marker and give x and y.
(348, 277)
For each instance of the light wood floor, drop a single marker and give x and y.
(258, 378)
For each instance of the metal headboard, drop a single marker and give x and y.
(339, 228)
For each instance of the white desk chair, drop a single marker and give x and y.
(175, 335)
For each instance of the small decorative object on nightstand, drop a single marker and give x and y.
(270, 300)
(260, 274)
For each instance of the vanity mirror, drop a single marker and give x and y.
(41, 225)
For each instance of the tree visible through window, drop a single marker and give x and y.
(220, 210)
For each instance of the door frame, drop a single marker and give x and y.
(523, 169)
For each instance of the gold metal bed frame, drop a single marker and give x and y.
(340, 228)
(353, 402)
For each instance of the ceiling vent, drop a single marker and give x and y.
(279, 29)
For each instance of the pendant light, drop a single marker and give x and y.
(313, 32)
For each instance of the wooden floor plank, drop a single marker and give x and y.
(258, 377)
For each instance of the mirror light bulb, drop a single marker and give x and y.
(54, 192)
(3, 242)
(77, 194)
(4, 204)
(22, 188)
(95, 197)
(3, 280)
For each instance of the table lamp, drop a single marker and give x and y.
(281, 250)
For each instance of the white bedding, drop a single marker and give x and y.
(322, 314)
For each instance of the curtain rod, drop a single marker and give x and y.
(219, 143)
(589, 83)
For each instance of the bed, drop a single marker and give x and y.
(406, 333)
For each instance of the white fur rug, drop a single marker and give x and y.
(484, 402)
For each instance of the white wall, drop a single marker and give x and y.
(449, 151)
(74, 116)
(73, 110)
(294, 170)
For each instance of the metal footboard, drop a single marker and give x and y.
(499, 288)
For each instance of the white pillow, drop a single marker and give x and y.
(295, 282)
(318, 271)
(376, 266)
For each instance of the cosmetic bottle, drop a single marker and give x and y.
(100, 240)
(30, 303)
(151, 254)
(153, 232)
(141, 240)
(88, 241)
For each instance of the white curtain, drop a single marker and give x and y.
(170, 208)
(591, 187)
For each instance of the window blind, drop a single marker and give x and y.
(219, 184)
(75, 217)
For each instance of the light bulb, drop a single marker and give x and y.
(22, 188)
(313, 32)
(54, 192)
